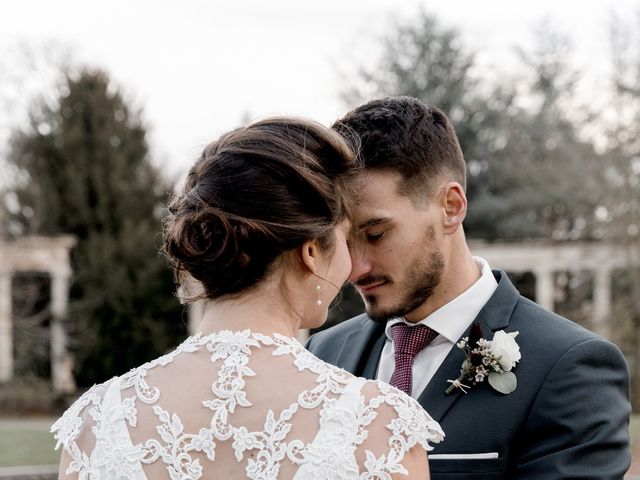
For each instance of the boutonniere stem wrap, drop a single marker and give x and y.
(492, 360)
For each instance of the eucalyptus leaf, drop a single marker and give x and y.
(505, 382)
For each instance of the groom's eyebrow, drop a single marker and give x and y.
(372, 222)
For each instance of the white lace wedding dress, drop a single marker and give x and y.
(241, 405)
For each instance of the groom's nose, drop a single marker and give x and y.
(360, 265)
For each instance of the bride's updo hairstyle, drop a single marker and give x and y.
(253, 194)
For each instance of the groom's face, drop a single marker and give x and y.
(394, 246)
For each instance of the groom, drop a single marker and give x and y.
(568, 415)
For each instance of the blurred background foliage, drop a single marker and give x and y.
(542, 165)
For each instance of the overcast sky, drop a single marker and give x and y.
(199, 67)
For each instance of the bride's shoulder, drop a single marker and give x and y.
(401, 414)
(74, 421)
(88, 408)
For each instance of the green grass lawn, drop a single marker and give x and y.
(28, 441)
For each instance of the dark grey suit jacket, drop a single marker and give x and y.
(567, 419)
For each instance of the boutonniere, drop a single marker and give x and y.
(488, 359)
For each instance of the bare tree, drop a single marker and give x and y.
(619, 211)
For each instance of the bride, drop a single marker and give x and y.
(259, 231)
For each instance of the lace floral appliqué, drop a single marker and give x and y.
(344, 416)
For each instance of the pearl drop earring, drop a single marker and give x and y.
(318, 302)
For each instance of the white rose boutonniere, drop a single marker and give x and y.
(505, 349)
(491, 359)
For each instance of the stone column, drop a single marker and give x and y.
(61, 359)
(6, 328)
(602, 302)
(545, 288)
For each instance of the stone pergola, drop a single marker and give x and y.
(543, 260)
(47, 255)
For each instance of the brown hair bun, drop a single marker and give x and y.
(255, 193)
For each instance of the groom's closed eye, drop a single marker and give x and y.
(373, 229)
(373, 237)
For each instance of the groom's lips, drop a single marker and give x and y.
(370, 287)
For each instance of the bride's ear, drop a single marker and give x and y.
(310, 256)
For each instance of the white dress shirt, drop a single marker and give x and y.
(450, 321)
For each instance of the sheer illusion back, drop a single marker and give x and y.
(241, 405)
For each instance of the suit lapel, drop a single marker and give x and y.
(495, 315)
(371, 367)
(360, 350)
(433, 398)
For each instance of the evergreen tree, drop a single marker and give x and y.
(84, 168)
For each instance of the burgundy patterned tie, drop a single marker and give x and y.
(407, 342)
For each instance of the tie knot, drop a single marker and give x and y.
(409, 340)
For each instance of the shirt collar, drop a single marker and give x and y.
(452, 319)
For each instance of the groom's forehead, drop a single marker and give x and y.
(371, 185)
(377, 193)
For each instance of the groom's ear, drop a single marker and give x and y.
(454, 207)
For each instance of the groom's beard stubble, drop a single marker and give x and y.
(422, 278)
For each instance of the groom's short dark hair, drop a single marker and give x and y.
(404, 135)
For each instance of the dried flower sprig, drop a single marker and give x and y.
(487, 359)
